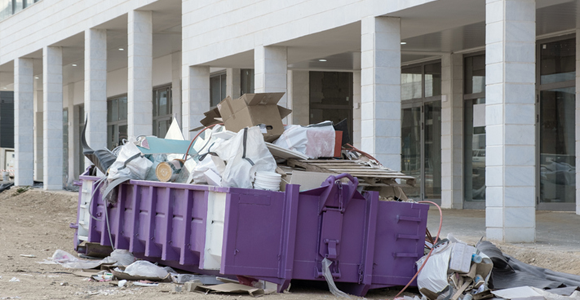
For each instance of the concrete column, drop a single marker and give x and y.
(270, 71)
(356, 109)
(52, 118)
(452, 131)
(381, 89)
(577, 113)
(233, 81)
(23, 122)
(299, 97)
(95, 87)
(140, 89)
(195, 96)
(176, 85)
(510, 120)
(38, 131)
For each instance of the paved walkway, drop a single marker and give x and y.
(554, 230)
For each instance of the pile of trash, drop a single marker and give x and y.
(123, 270)
(455, 270)
(243, 144)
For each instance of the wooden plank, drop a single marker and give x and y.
(296, 163)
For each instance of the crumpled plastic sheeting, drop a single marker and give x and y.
(330, 281)
(130, 163)
(101, 158)
(509, 272)
(69, 261)
(146, 269)
(315, 140)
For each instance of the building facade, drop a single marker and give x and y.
(475, 98)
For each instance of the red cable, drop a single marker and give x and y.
(429, 254)
(187, 152)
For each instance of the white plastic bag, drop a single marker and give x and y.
(315, 140)
(433, 276)
(130, 163)
(121, 257)
(244, 154)
(146, 269)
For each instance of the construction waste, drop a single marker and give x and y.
(244, 144)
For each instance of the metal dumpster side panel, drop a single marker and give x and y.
(399, 241)
(253, 233)
(157, 221)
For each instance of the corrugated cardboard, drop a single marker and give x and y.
(252, 110)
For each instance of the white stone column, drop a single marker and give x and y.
(577, 114)
(140, 89)
(233, 82)
(356, 109)
(52, 118)
(195, 95)
(95, 87)
(452, 131)
(270, 71)
(381, 89)
(176, 85)
(510, 120)
(23, 122)
(299, 97)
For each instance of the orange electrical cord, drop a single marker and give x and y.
(432, 248)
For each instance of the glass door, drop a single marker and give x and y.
(432, 150)
(411, 148)
(556, 132)
(557, 146)
(421, 148)
(421, 129)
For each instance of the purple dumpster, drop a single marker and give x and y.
(274, 236)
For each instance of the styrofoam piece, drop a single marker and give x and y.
(212, 177)
(216, 210)
(83, 210)
(461, 257)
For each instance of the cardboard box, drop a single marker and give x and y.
(251, 110)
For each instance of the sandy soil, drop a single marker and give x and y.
(37, 223)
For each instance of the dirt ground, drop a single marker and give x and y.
(36, 223)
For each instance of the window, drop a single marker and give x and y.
(217, 89)
(7, 119)
(162, 110)
(474, 128)
(116, 121)
(65, 133)
(10, 7)
(331, 97)
(247, 81)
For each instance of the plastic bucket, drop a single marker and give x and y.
(267, 181)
